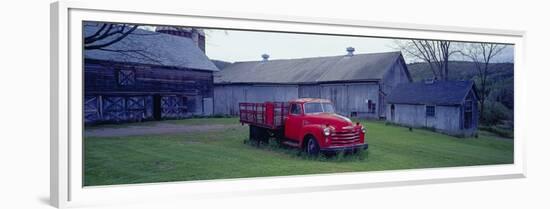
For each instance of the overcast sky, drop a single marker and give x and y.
(232, 45)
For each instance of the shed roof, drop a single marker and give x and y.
(436, 93)
(358, 67)
(152, 48)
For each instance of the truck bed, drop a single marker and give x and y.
(268, 114)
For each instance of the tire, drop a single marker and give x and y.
(312, 147)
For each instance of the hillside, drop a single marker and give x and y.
(460, 70)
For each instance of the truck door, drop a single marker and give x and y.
(293, 123)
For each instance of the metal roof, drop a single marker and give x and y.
(358, 67)
(152, 48)
(436, 93)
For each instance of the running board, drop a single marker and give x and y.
(291, 143)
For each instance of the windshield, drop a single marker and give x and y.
(317, 107)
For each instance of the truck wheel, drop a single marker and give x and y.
(312, 147)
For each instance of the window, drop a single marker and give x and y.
(327, 107)
(316, 107)
(126, 77)
(371, 106)
(313, 108)
(430, 111)
(295, 109)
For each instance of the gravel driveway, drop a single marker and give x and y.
(155, 129)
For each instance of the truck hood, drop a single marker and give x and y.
(333, 119)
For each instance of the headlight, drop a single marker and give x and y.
(363, 129)
(326, 131)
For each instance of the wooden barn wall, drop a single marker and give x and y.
(396, 75)
(347, 98)
(115, 96)
(409, 115)
(447, 119)
(103, 78)
(309, 91)
(228, 97)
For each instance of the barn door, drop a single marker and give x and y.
(113, 108)
(91, 109)
(468, 122)
(173, 107)
(392, 112)
(123, 108)
(157, 109)
(135, 108)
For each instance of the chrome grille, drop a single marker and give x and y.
(345, 137)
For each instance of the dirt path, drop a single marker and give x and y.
(159, 128)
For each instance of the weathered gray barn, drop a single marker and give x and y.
(356, 83)
(447, 106)
(148, 76)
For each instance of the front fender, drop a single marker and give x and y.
(315, 130)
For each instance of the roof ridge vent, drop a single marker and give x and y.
(350, 51)
(265, 57)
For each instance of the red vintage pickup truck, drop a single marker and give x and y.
(307, 123)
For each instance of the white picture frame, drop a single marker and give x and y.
(66, 104)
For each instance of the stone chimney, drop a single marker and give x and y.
(265, 57)
(197, 35)
(350, 51)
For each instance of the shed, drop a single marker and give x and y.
(446, 106)
(356, 83)
(147, 75)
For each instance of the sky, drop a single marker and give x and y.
(234, 45)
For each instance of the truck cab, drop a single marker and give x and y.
(314, 126)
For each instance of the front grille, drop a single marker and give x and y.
(345, 137)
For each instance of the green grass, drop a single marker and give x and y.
(222, 155)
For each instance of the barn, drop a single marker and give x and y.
(446, 106)
(356, 83)
(148, 75)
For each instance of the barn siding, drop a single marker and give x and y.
(338, 94)
(447, 119)
(396, 75)
(228, 97)
(347, 98)
(352, 98)
(309, 91)
(103, 78)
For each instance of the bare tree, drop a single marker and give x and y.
(434, 52)
(481, 55)
(105, 35)
(108, 34)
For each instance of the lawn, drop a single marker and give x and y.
(221, 154)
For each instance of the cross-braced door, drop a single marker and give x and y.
(91, 109)
(173, 106)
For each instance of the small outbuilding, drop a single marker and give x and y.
(449, 107)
